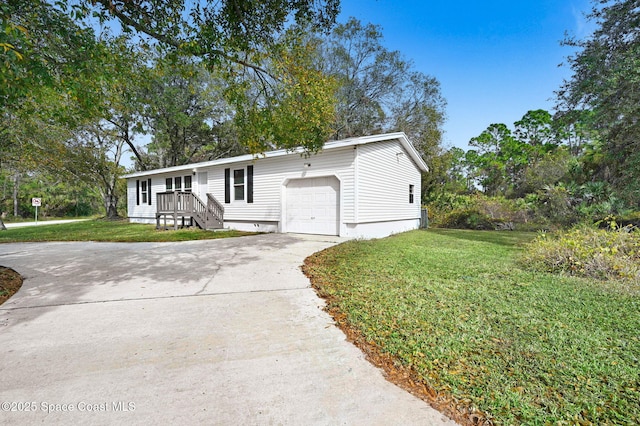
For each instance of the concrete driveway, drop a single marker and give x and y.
(206, 332)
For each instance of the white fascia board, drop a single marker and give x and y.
(329, 145)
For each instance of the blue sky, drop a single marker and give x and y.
(495, 59)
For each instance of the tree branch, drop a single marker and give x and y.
(108, 5)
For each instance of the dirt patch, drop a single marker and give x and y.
(10, 283)
(394, 371)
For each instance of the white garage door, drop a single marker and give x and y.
(312, 206)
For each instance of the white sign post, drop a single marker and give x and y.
(36, 202)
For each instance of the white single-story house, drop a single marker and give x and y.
(366, 187)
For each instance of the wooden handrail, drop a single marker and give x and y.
(186, 203)
(215, 208)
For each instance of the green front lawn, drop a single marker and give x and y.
(111, 231)
(479, 330)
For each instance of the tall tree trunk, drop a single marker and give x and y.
(111, 205)
(16, 183)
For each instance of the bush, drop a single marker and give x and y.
(629, 219)
(467, 219)
(479, 212)
(587, 252)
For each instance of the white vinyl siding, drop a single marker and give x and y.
(385, 172)
(158, 184)
(269, 180)
(144, 210)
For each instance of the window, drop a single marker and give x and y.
(143, 191)
(411, 194)
(176, 183)
(238, 185)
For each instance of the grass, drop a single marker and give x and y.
(108, 231)
(456, 309)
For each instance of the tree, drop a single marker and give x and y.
(496, 158)
(300, 107)
(226, 31)
(93, 157)
(368, 76)
(536, 129)
(377, 88)
(246, 39)
(43, 47)
(49, 66)
(507, 162)
(606, 81)
(183, 107)
(378, 91)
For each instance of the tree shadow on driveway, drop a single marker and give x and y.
(86, 272)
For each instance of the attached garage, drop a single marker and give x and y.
(313, 206)
(366, 187)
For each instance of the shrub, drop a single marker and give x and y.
(629, 218)
(467, 219)
(587, 252)
(479, 212)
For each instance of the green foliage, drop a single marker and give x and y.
(549, 169)
(481, 331)
(60, 197)
(301, 107)
(507, 163)
(379, 91)
(587, 252)
(467, 219)
(446, 175)
(278, 100)
(224, 31)
(554, 203)
(43, 47)
(606, 82)
(628, 218)
(478, 212)
(185, 112)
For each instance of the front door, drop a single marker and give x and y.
(203, 186)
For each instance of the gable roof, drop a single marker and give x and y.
(400, 136)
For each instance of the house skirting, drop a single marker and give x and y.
(350, 230)
(252, 226)
(379, 229)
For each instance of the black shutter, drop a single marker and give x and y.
(249, 184)
(149, 191)
(137, 193)
(227, 183)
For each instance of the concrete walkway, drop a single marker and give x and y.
(205, 332)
